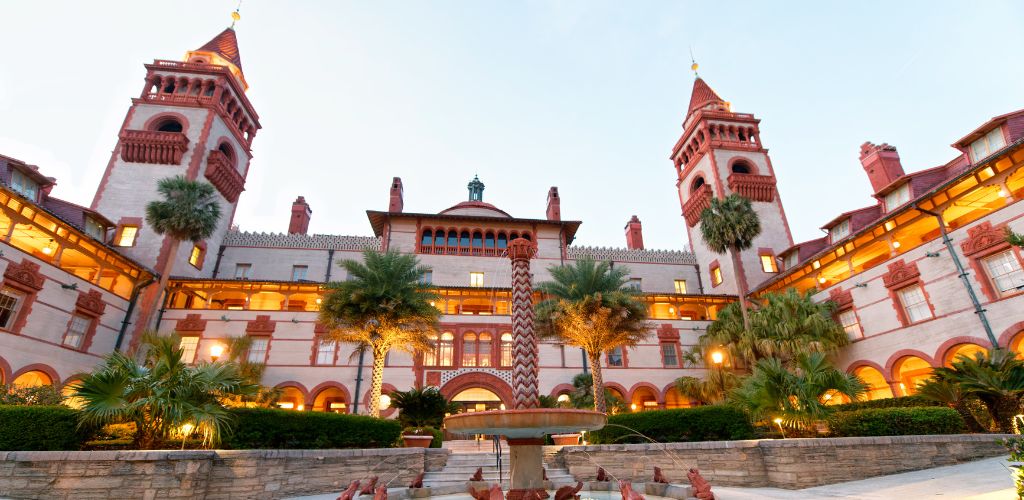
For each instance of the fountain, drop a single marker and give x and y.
(526, 425)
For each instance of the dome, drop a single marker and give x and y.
(477, 208)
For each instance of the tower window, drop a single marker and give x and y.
(169, 125)
(741, 167)
(196, 256)
(697, 184)
(476, 279)
(768, 264)
(680, 286)
(716, 275)
(299, 273)
(243, 271)
(126, 237)
(228, 152)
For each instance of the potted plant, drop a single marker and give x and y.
(422, 412)
(566, 439)
(420, 437)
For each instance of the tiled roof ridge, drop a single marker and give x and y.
(638, 255)
(316, 241)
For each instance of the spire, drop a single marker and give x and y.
(702, 96)
(476, 189)
(222, 50)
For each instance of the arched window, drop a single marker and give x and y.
(484, 350)
(502, 241)
(478, 240)
(228, 152)
(445, 349)
(506, 349)
(741, 167)
(430, 357)
(464, 239)
(489, 241)
(697, 184)
(168, 125)
(513, 235)
(428, 238)
(453, 238)
(469, 349)
(439, 238)
(526, 236)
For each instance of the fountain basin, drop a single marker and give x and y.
(525, 424)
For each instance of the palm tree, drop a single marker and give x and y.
(797, 394)
(161, 394)
(188, 211)
(995, 377)
(953, 396)
(730, 224)
(382, 306)
(422, 407)
(582, 395)
(712, 388)
(589, 306)
(252, 373)
(782, 325)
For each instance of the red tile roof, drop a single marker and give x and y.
(226, 45)
(702, 95)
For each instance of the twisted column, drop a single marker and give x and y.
(525, 357)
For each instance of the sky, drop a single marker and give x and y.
(585, 95)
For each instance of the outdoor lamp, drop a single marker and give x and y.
(778, 422)
(215, 351)
(385, 402)
(717, 357)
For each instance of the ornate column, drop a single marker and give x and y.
(524, 339)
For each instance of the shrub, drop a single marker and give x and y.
(267, 428)
(901, 402)
(437, 433)
(32, 428)
(704, 423)
(41, 395)
(896, 422)
(422, 407)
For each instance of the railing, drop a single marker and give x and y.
(150, 146)
(224, 176)
(752, 186)
(497, 454)
(699, 200)
(178, 98)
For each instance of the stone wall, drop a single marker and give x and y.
(207, 474)
(782, 463)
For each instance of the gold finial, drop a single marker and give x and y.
(693, 66)
(235, 16)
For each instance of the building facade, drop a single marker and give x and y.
(78, 281)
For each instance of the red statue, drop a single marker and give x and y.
(368, 489)
(568, 492)
(602, 475)
(382, 492)
(532, 495)
(478, 475)
(659, 477)
(418, 482)
(701, 487)
(626, 488)
(349, 492)
(495, 493)
(487, 494)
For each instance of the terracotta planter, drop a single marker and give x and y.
(417, 440)
(566, 439)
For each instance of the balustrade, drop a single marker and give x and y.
(699, 200)
(752, 186)
(224, 176)
(150, 146)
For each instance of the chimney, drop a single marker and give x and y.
(882, 164)
(301, 213)
(554, 204)
(396, 203)
(634, 234)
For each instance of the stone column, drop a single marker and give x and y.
(525, 357)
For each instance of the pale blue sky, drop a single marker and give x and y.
(585, 95)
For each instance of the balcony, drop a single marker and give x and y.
(224, 176)
(753, 187)
(150, 146)
(699, 200)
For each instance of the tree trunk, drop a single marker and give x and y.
(741, 286)
(376, 380)
(1006, 408)
(598, 382)
(969, 419)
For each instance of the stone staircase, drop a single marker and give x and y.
(467, 456)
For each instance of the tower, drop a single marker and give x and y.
(192, 119)
(720, 153)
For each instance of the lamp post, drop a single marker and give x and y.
(215, 352)
(717, 358)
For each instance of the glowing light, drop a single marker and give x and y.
(671, 310)
(563, 398)
(286, 405)
(778, 421)
(822, 280)
(319, 301)
(186, 429)
(895, 244)
(215, 351)
(632, 407)
(385, 402)
(432, 303)
(301, 407)
(717, 357)
(501, 406)
(47, 250)
(1004, 193)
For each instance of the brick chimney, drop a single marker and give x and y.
(301, 213)
(634, 234)
(396, 204)
(554, 204)
(882, 164)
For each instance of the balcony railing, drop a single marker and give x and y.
(150, 146)
(224, 176)
(754, 187)
(699, 200)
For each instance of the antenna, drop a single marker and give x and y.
(693, 65)
(235, 16)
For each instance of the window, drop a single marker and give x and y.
(243, 271)
(483, 350)
(95, 229)
(258, 350)
(848, 319)
(615, 357)
(430, 357)
(10, 301)
(427, 277)
(1005, 272)
(126, 237)
(914, 303)
(792, 259)
(506, 349)
(897, 197)
(469, 349)
(445, 349)
(23, 185)
(768, 264)
(476, 279)
(990, 143)
(669, 356)
(716, 276)
(196, 256)
(325, 352)
(77, 331)
(680, 286)
(188, 347)
(839, 231)
(635, 283)
(299, 273)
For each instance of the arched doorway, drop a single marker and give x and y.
(643, 398)
(493, 385)
(292, 399)
(675, 400)
(968, 350)
(911, 371)
(34, 378)
(877, 388)
(331, 399)
(1017, 344)
(476, 399)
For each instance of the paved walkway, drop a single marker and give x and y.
(987, 479)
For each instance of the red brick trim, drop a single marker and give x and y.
(890, 365)
(1008, 334)
(25, 278)
(666, 333)
(947, 347)
(262, 325)
(153, 120)
(984, 241)
(843, 299)
(618, 387)
(321, 387)
(478, 379)
(869, 364)
(657, 392)
(38, 367)
(386, 388)
(90, 303)
(901, 275)
(197, 151)
(5, 371)
(192, 323)
(128, 221)
(295, 385)
(983, 237)
(560, 389)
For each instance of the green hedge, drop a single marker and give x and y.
(896, 422)
(703, 423)
(264, 428)
(31, 428)
(901, 402)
